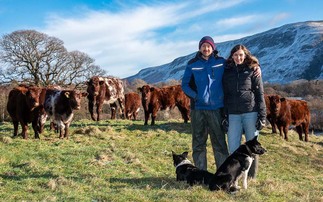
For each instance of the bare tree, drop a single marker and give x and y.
(34, 57)
(79, 67)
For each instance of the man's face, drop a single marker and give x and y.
(206, 50)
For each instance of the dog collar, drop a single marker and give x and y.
(186, 161)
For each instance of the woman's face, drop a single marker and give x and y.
(239, 57)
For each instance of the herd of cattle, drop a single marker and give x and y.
(30, 104)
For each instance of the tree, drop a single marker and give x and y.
(36, 58)
(79, 67)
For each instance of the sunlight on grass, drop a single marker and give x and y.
(122, 160)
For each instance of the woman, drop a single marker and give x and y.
(244, 100)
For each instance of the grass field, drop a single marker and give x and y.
(124, 160)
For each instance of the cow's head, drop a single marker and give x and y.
(74, 98)
(275, 103)
(32, 97)
(146, 92)
(93, 86)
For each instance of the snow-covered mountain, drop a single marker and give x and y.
(287, 53)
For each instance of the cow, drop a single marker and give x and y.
(301, 117)
(132, 105)
(59, 106)
(269, 116)
(154, 99)
(24, 107)
(288, 112)
(42, 113)
(105, 90)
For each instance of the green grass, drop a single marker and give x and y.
(126, 161)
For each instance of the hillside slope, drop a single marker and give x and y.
(287, 53)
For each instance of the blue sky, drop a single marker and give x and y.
(126, 36)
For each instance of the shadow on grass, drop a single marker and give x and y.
(171, 126)
(167, 183)
(180, 127)
(13, 176)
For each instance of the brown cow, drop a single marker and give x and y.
(288, 112)
(105, 90)
(301, 117)
(59, 105)
(269, 115)
(132, 105)
(23, 107)
(154, 99)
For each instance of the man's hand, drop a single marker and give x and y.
(257, 71)
(225, 124)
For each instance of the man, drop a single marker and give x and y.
(202, 82)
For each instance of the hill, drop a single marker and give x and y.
(287, 53)
(126, 161)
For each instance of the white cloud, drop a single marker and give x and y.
(126, 41)
(278, 18)
(238, 21)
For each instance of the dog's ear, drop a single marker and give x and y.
(185, 154)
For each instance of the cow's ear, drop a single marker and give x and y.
(84, 94)
(152, 88)
(139, 89)
(101, 83)
(87, 83)
(67, 94)
(282, 99)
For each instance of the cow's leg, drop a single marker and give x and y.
(15, 128)
(66, 130)
(273, 125)
(36, 128)
(135, 114)
(128, 116)
(24, 132)
(91, 106)
(61, 129)
(305, 127)
(153, 120)
(184, 113)
(98, 110)
(273, 128)
(286, 132)
(53, 126)
(153, 116)
(122, 108)
(299, 131)
(280, 128)
(113, 109)
(146, 117)
(41, 122)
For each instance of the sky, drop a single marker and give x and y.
(125, 36)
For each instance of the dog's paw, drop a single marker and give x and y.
(234, 189)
